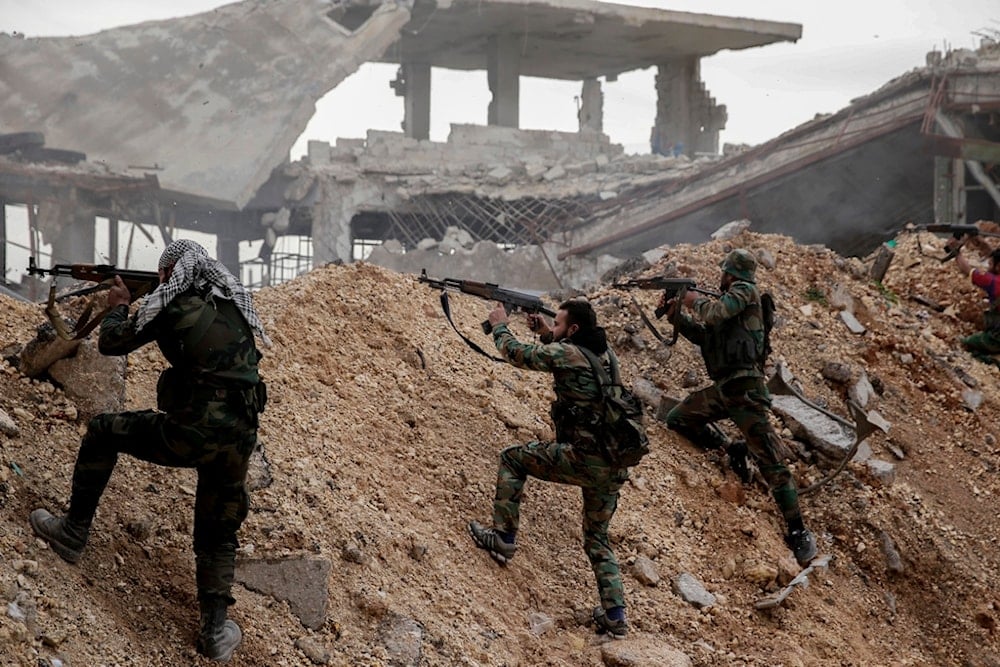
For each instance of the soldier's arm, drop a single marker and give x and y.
(527, 355)
(730, 304)
(118, 334)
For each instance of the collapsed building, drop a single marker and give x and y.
(187, 124)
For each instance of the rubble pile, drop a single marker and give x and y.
(380, 442)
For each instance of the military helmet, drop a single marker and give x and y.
(740, 263)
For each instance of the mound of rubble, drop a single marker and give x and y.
(380, 443)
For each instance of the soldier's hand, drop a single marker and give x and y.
(689, 298)
(498, 315)
(537, 324)
(119, 295)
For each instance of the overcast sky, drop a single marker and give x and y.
(848, 48)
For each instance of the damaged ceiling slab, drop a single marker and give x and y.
(210, 103)
(920, 149)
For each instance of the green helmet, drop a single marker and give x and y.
(740, 263)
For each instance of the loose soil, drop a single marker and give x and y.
(382, 437)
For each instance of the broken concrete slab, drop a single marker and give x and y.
(211, 102)
(301, 582)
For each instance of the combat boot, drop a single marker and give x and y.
(218, 636)
(63, 536)
(605, 626)
(488, 539)
(803, 545)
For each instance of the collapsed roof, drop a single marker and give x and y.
(211, 103)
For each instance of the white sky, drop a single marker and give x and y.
(848, 48)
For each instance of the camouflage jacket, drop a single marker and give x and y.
(574, 411)
(208, 343)
(730, 333)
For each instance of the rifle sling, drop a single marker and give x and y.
(646, 320)
(447, 313)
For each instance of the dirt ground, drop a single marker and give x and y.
(382, 435)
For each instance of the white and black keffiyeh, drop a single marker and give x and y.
(193, 267)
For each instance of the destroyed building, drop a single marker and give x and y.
(202, 111)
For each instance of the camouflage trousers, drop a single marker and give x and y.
(983, 346)
(600, 484)
(747, 402)
(219, 453)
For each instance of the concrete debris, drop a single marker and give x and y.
(301, 582)
(802, 580)
(692, 591)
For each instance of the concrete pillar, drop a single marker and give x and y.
(417, 100)
(228, 251)
(688, 120)
(503, 75)
(76, 238)
(591, 113)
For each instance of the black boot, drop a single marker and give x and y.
(65, 537)
(218, 636)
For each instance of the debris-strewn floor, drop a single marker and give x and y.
(382, 436)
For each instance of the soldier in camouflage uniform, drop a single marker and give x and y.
(731, 337)
(573, 458)
(209, 399)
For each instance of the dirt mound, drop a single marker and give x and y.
(382, 435)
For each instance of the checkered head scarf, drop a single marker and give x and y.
(193, 267)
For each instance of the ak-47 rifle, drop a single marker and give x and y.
(512, 301)
(139, 284)
(673, 288)
(959, 233)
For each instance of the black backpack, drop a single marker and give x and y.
(620, 428)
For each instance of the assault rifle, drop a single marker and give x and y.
(673, 288)
(959, 233)
(512, 301)
(139, 283)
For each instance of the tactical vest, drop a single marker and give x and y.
(737, 344)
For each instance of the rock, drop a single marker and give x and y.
(852, 322)
(893, 562)
(644, 570)
(690, 590)
(731, 229)
(301, 582)
(540, 623)
(836, 371)
(7, 425)
(643, 651)
(96, 383)
(402, 638)
(314, 650)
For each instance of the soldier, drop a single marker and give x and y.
(574, 457)
(731, 337)
(204, 322)
(986, 343)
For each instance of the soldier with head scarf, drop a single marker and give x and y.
(208, 401)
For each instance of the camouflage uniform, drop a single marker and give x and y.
(209, 399)
(574, 458)
(731, 337)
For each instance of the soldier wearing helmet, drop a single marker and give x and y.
(730, 332)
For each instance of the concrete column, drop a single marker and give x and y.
(944, 195)
(503, 75)
(228, 250)
(688, 120)
(76, 238)
(674, 132)
(591, 113)
(417, 100)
